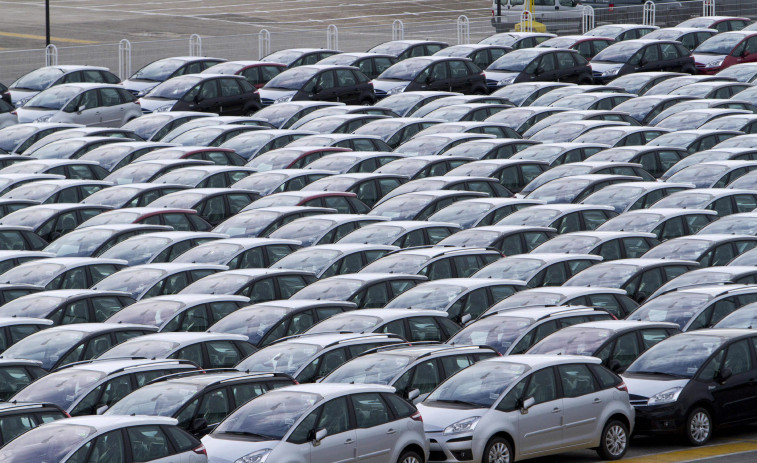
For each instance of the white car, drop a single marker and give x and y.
(96, 105)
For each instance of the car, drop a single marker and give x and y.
(536, 64)
(564, 218)
(150, 280)
(91, 387)
(621, 32)
(656, 160)
(53, 169)
(406, 103)
(343, 110)
(743, 72)
(431, 73)
(261, 222)
(12, 330)
(434, 262)
(260, 285)
(354, 142)
(509, 240)
(178, 219)
(420, 205)
(746, 123)
(469, 126)
(683, 406)
(471, 112)
(579, 114)
(256, 73)
(485, 431)
(319, 82)
(623, 135)
(617, 342)
(43, 223)
(703, 103)
(150, 75)
(403, 49)
(240, 252)
(724, 50)
(56, 191)
(327, 260)
(708, 250)
(353, 161)
(366, 290)
(742, 223)
(581, 169)
(665, 223)
(560, 153)
(490, 149)
(608, 245)
(711, 89)
(438, 143)
(156, 247)
(38, 80)
(525, 93)
(323, 229)
(67, 306)
(74, 132)
(715, 174)
(61, 345)
(279, 180)
(695, 140)
(538, 269)
(724, 201)
(642, 55)
(592, 100)
(523, 118)
(370, 64)
(487, 185)
(26, 417)
(587, 47)
(63, 272)
(177, 312)
(214, 205)
(613, 300)
(646, 108)
(284, 115)
(214, 135)
(218, 392)
(741, 318)
(557, 94)
(147, 171)
(689, 36)
(290, 158)
(624, 197)
(480, 212)
(114, 156)
(723, 275)
(668, 85)
(457, 99)
(482, 55)
(153, 127)
(404, 234)
(395, 131)
(17, 138)
(575, 188)
(458, 299)
(365, 399)
(216, 120)
(719, 23)
(566, 132)
(711, 155)
(415, 167)
(342, 202)
(517, 40)
(251, 144)
(218, 156)
(103, 105)
(695, 308)
(370, 188)
(640, 277)
(224, 95)
(741, 141)
(294, 57)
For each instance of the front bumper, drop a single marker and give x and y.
(452, 448)
(652, 419)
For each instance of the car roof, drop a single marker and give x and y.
(474, 283)
(195, 299)
(98, 327)
(537, 313)
(103, 423)
(110, 366)
(329, 390)
(7, 321)
(537, 361)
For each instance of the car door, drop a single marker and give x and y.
(376, 429)
(347, 87)
(106, 448)
(567, 70)
(207, 99)
(734, 396)
(112, 111)
(88, 111)
(231, 100)
(150, 444)
(325, 88)
(460, 79)
(583, 402)
(340, 443)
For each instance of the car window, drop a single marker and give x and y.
(542, 386)
(334, 417)
(576, 380)
(370, 410)
(626, 349)
(214, 406)
(426, 377)
(148, 443)
(738, 358)
(193, 353)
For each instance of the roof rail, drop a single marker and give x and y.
(302, 335)
(82, 362)
(191, 373)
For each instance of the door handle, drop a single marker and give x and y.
(391, 431)
(556, 410)
(597, 401)
(348, 441)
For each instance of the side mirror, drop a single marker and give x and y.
(465, 319)
(80, 109)
(198, 424)
(430, 79)
(745, 53)
(526, 404)
(643, 62)
(414, 394)
(320, 435)
(614, 365)
(317, 89)
(101, 409)
(199, 98)
(724, 374)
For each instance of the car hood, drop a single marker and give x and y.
(275, 93)
(436, 418)
(31, 115)
(499, 75)
(388, 84)
(231, 449)
(604, 66)
(137, 86)
(648, 386)
(151, 104)
(704, 58)
(18, 95)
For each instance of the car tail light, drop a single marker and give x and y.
(622, 386)
(416, 417)
(200, 450)
(66, 413)
(14, 113)
(296, 382)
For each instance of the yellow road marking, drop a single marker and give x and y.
(41, 37)
(696, 453)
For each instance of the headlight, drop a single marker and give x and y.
(611, 72)
(22, 102)
(466, 425)
(506, 81)
(665, 397)
(284, 99)
(397, 89)
(255, 457)
(44, 118)
(163, 108)
(714, 64)
(144, 92)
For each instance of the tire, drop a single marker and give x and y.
(498, 450)
(410, 456)
(698, 427)
(613, 444)
(366, 102)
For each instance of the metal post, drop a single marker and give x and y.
(526, 22)
(587, 19)
(51, 55)
(649, 13)
(463, 30)
(332, 37)
(398, 30)
(124, 59)
(708, 8)
(264, 43)
(47, 22)
(195, 45)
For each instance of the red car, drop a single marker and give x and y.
(179, 219)
(586, 46)
(258, 73)
(724, 50)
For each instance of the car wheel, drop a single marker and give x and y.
(410, 457)
(498, 450)
(698, 427)
(614, 441)
(366, 102)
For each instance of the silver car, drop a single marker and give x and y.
(512, 408)
(321, 423)
(96, 105)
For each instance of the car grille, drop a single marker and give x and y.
(379, 93)
(596, 73)
(700, 65)
(146, 111)
(134, 92)
(437, 455)
(637, 400)
(491, 82)
(266, 101)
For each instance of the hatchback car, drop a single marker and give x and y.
(370, 64)
(224, 95)
(564, 218)
(67, 306)
(481, 212)
(431, 73)
(324, 229)
(724, 50)
(23, 417)
(319, 82)
(366, 290)
(689, 36)
(435, 262)
(163, 69)
(260, 285)
(404, 234)
(261, 222)
(641, 55)
(150, 280)
(43, 78)
(255, 72)
(420, 205)
(178, 219)
(615, 301)
(414, 325)
(327, 260)
(535, 64)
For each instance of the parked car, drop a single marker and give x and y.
(224, 95)
(319, 82)
(431, 73)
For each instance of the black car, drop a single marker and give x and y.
(690, 37)
(538, 64)
(161, 70)
(641, 56)
(213, 93)
(439, 73)
(404, 49)
(693, 383)
(344, 84)
(370, 64)
(50, 221)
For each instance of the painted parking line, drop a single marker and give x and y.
(699, 453)
(42, 37)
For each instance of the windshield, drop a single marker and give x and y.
(676, 139)
(673, 307)
(679, 249)
(79, 243)
(61, 388)
(389, 48)
(37, 306)
(175, 88)
(133, 281)
(563, 190)
(45, 346)
(54, 98)
(638, 108)
(292, 79)
(309, 260)
(702, 174)
(400, 103)
(185, 199)
(253, 322)
(618, 53)
(499, 332)
(562, 132)
(335, 162)
(346, 323)
(278, 114)
(685, 200)
(162, 399)
(728, 123)
(11, 136)
(275, 159)
(619, 197)
(217, 284)
(558, 42)
(735, 224)
(283, 56)
(506, 40)
(370, 369)
(307, 230)
(338, 289)
(49, 444)
(602, 135)
(27, 218)
(138, 250)
(463, 213)
(681, 355)
(696, 278)
(109, 155)
(427, 296)
(35, 190)
(158, 71)
(607, 275)
(269, 416)
(515, 61)
(247, 224)
(605, 31)
(480, 384)
(451, 113)
(280, 358)
(531, 216)
(421, 146)
(511, 268)
(565, 170)
(147, 126)
(211, 253)
(471, 238)
(540, 153)
(745, 317)
(33, 273)
(645, 222)
(202, 136)
(405, 70)
(247, 144)
(569, 244)
(38, 80)
(380, 128)
(141, 347)
(374, 234)
(139, 172)
(720, 44)
(114, 197)
(528, 298)
(147, 312)
(572, 341)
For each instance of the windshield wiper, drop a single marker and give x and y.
(461, 402)
(658, 373)
(247, 433)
